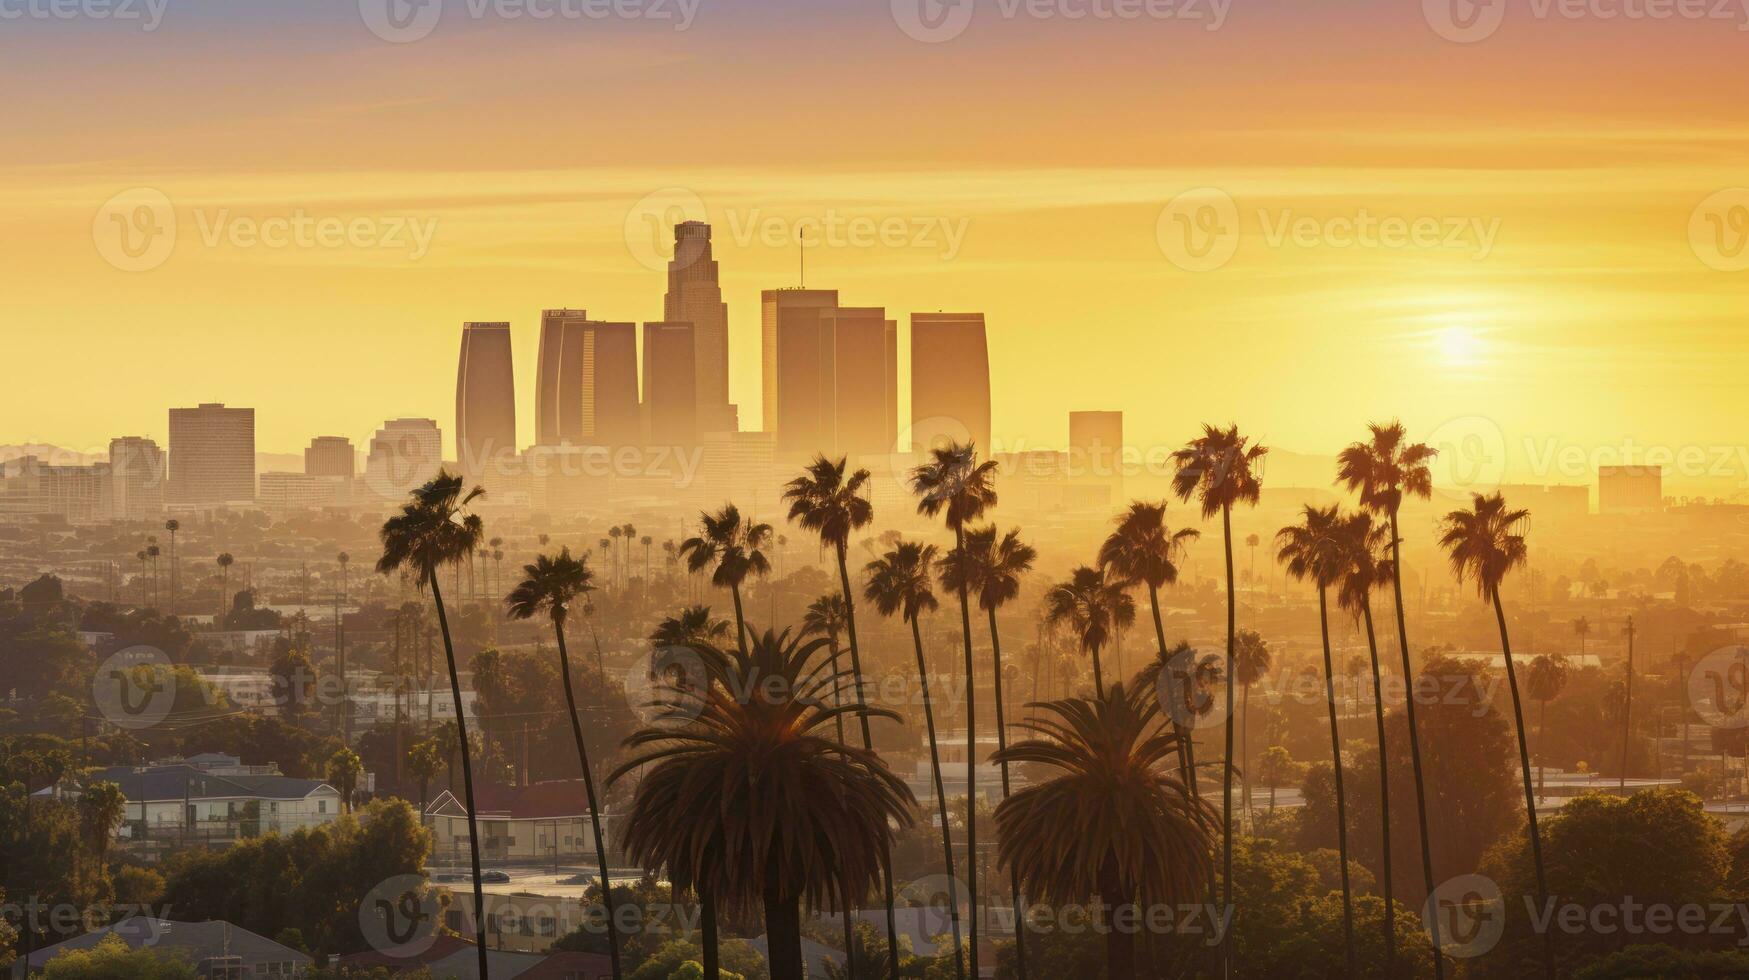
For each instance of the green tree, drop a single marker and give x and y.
(112, 959)
(343, 771)
(101, 808)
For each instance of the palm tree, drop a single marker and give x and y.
(992, 566)
(1364, 567)
(825, 618)
(102, 808)
(828, 500)
(733, 545)
(802, 817)
(1095, 606)
(433, 530)
(1251, 543)
(693, 626)
(172, 526)
(141, 555)
(152, 552)
(1382, 470)
(549, 586)
(424, 758)
(1483, 546)
(612, 546)
(1251, 662)
(1116, 824)
(953, 485)
(1142, 549)
(1544, 681)
(898, 582)
(1312, 549)
(225, 561)
(1219, 468)
(344, 770)
(1581, 629)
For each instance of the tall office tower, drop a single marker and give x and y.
(1096, 450)
(558, 394)
(485, 397)
(670, 384)
(950, 380)
(694, 296)
(865, 380)
(403, 454)
(136, 467)
(798, 364)
(330, 456)
(212, 454)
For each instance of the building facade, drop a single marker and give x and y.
(694, 296)
(212, 455)
(950, 381)
(671, 415)
(330, 456)
(485, 398)
(137, 475)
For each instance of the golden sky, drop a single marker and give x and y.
(1579, 182)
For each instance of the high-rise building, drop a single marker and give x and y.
(950, 380)
(330, 456)
(1629, 489)
(77, 493)
(403, 454)
(694, 296)
(212, 455)
(485, 397)
(798, 364)
(136, 467)
(558, 394)
(1096, 451)
(670, 391)
(865, 380)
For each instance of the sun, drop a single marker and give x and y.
(1459, 346)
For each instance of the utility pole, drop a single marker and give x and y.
(1627, 705)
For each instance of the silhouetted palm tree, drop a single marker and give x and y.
(798, 819)
(1312, 549)
(825, 618)
(1141, 549)
(173, 526)
(1544, 682)
(1117, 824)
(1251, 662)
(433, 530)
(549, 586)
(733, 545)
(692, 626)
(953, 485)
(1383, 470)
(1095, 606)
(1483, 546)
(1582, 629)
(898, 582)
(1219, 468)
(225, 561)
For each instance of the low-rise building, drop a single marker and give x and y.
(216, 950)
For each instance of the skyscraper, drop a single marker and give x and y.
(485, 397)
(330, 456)
(670, 389)
(136, 467)
(950, 380)
(558, 395)
(798, 366)
(694, 296)
(403, 454)
(609, 394)
(1096, 451)
(212, 454)
(865, 395)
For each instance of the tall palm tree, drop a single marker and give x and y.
(955, 486)
(1383, 470)
(225, 561)
(1312, 550)
(1582, 629)
(101, 809)
(432, 530)
(825, 619)
(152, 552)
(1116, 824)
(692, 626)
(828, 500)
(141, 556)
(549, 586)
(801, 816)
(734, 546)
(173, 526)
(1221, 469)
(1141, 549)
(1544, 682)
(344, 770)
(898, 582)
(1483, 544)
(991, 565)
(1094, 604)
(1251, 662)
(1364, 566)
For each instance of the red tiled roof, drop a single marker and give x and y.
(545, 800)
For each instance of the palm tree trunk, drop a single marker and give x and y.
(868, 744)
(1227, 758)
(1002, 748)
(1341, 800)
(1414, 739)
(783, 931)
(707, 914)
(971, 759)
(1120, 944)
(1245, 760)
(740, 621)
(589, 793)
(1098, 675)
(1536, 844)
(461, 726)
(953, 902)
(1542, 744)
(1378, 702)
(838, 702)
(1186, 752)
